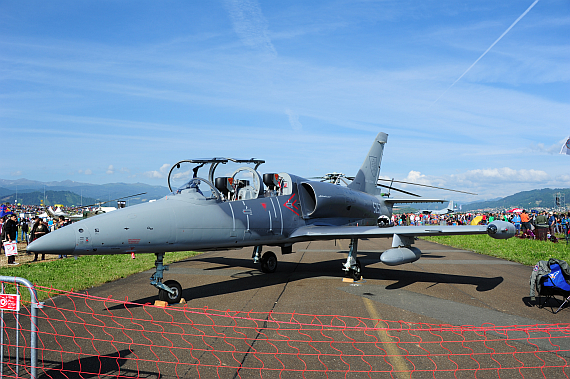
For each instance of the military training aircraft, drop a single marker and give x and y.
(448, 210)
(248, 209)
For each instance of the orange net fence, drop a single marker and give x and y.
(82, 336)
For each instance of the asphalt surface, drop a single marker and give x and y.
(446, 286)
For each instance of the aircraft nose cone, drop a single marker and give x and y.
(61, 241)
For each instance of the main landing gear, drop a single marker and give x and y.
(169, 291)
(352, 266)
(268, 260)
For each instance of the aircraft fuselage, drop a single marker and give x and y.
(192, 221)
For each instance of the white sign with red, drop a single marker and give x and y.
(10, 302)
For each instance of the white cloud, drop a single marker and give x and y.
(161, 173)
(293, 120)
(552, 149)
(417, 177)
(16, 173)
(250, 25)
(505, 174)
(110, 169)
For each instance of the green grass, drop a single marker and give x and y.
(514, 249)
(85, 272)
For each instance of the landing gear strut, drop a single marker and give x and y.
(352, 265)
(169, 291)
(268, 260)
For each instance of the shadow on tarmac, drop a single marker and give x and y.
(92, 367)
(252, 278)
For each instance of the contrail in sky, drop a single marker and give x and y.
(486, 51)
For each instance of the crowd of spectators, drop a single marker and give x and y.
(24, 225)
(541, 225)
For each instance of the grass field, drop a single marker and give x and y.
(85, 272)
(523, 251)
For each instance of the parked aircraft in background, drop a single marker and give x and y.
(449, 209)
(250, 209)
(87, 211)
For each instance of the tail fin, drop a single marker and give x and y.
(450, 206)
(367, 177)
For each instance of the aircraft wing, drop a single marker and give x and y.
(501, 230)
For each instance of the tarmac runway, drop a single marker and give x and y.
(446, 286)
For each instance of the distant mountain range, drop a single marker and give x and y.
(70, 193)
(50, 198)
(543, 198)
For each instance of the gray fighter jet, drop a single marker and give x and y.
(448, 210)
(249, 209)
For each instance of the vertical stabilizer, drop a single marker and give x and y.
(367, 177)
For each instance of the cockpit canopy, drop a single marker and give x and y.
(245, 183)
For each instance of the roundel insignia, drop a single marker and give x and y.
(568, 143)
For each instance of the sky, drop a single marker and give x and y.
(474, 95)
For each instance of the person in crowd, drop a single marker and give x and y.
(542, 228)
(39, 229)
(551, 223)
(565, 224)
(557, 225)
(525, 221)
(60, 224)
(25, 229)
(517, 223)
(10, 234)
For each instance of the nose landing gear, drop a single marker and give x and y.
(169, 291)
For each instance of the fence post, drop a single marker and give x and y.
(35, 304)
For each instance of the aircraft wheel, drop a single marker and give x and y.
(268, 262)
(357, 272)
(168, 297)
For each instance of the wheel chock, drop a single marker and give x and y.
(182, 300)
(159, 303)
(351, 280)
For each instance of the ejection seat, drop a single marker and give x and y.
(555, 284)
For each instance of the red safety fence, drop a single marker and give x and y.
(82, 336)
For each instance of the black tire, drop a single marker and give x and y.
(168, 297)
(356, 273)
(268, 262)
